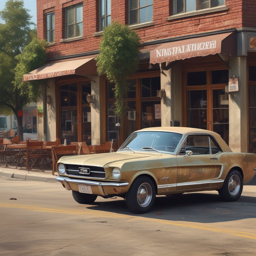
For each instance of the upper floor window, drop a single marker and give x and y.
(105, 13)
(50, 27)
(180, 6)
(141, 11)
(74, 21)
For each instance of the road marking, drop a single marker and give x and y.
(120, 216)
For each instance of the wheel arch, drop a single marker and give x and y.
(238, 169)
(146, 174)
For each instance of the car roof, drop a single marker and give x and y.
(187, 131)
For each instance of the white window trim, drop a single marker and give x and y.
(129, 10)
(50, 13)
(66, 20)
(220, 8)
(105, 16)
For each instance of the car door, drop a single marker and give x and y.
(197, 163)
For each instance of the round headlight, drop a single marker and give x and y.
(61, 168)
(116, 173)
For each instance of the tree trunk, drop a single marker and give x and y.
(20, 127)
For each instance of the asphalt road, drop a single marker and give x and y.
(45, 220)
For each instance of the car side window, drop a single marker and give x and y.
(215, 147)
(198, 144)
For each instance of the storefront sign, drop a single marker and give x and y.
(195, 47)
(40, 109)
(186, 48)
(157, 111)
(233, 85)
(253, 43)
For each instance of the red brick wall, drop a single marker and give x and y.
(249, 13)
(162, 28)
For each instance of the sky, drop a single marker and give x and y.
(29, 4)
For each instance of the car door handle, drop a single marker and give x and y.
(214, 159)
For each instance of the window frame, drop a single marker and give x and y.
(75, 22)
(106, 15)
(174, 3)
(51, 27)
(138, 17)
(210, 137)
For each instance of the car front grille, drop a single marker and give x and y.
(77, 170)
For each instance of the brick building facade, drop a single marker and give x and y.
(192, 84)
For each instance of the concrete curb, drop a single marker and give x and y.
(29, 176)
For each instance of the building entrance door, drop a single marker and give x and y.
(206, 103)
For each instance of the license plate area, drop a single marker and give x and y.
(85, 189)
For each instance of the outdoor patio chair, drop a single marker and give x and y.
(59, 151)
(82, 148)
(104, 148)
(2, 151)
(33, 152)
(11, 134)
(16, 139)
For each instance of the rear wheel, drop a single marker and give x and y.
(141, 195)
(83, 198)
(232, 187)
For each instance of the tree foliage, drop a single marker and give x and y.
(20, 53)
(118, 59)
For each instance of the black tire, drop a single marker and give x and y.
(141, 203)
(232, 187)
(83, 198)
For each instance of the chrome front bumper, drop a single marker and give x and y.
(99, 184)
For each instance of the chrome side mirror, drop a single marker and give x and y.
(189, 152)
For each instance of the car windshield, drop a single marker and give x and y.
(155, 141)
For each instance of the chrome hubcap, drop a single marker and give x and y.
(144, 194)
(234, 185)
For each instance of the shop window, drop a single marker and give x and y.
(150, 86)
(112, 123)
(68, 95)
(3, 124)
(196, 78)
(68, 126)
(252, 109)
(50, 27)
(110, 90)
(74, 21)
(151, 114)
(252, 73)
(86, 90)
(181, 6)
(141, 11)
(132, 89)
(197, 109)
(105, 13)
(220, 77)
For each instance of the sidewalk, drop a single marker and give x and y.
(33, 175)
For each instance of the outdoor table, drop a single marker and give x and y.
(6, 142)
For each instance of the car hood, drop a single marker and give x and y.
(107, 159)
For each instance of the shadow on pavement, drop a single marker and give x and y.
(192, 207)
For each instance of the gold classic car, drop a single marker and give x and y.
(158, 161)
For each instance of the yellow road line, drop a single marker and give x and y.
(138, 218)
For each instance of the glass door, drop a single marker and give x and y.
(197, 109)
(207, 104)
(220, 113)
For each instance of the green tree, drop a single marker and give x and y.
(118, 59)
(17, 57)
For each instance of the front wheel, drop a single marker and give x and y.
(83, 198)
(141, 195)
(232, 187)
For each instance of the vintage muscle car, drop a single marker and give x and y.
(158, 161)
